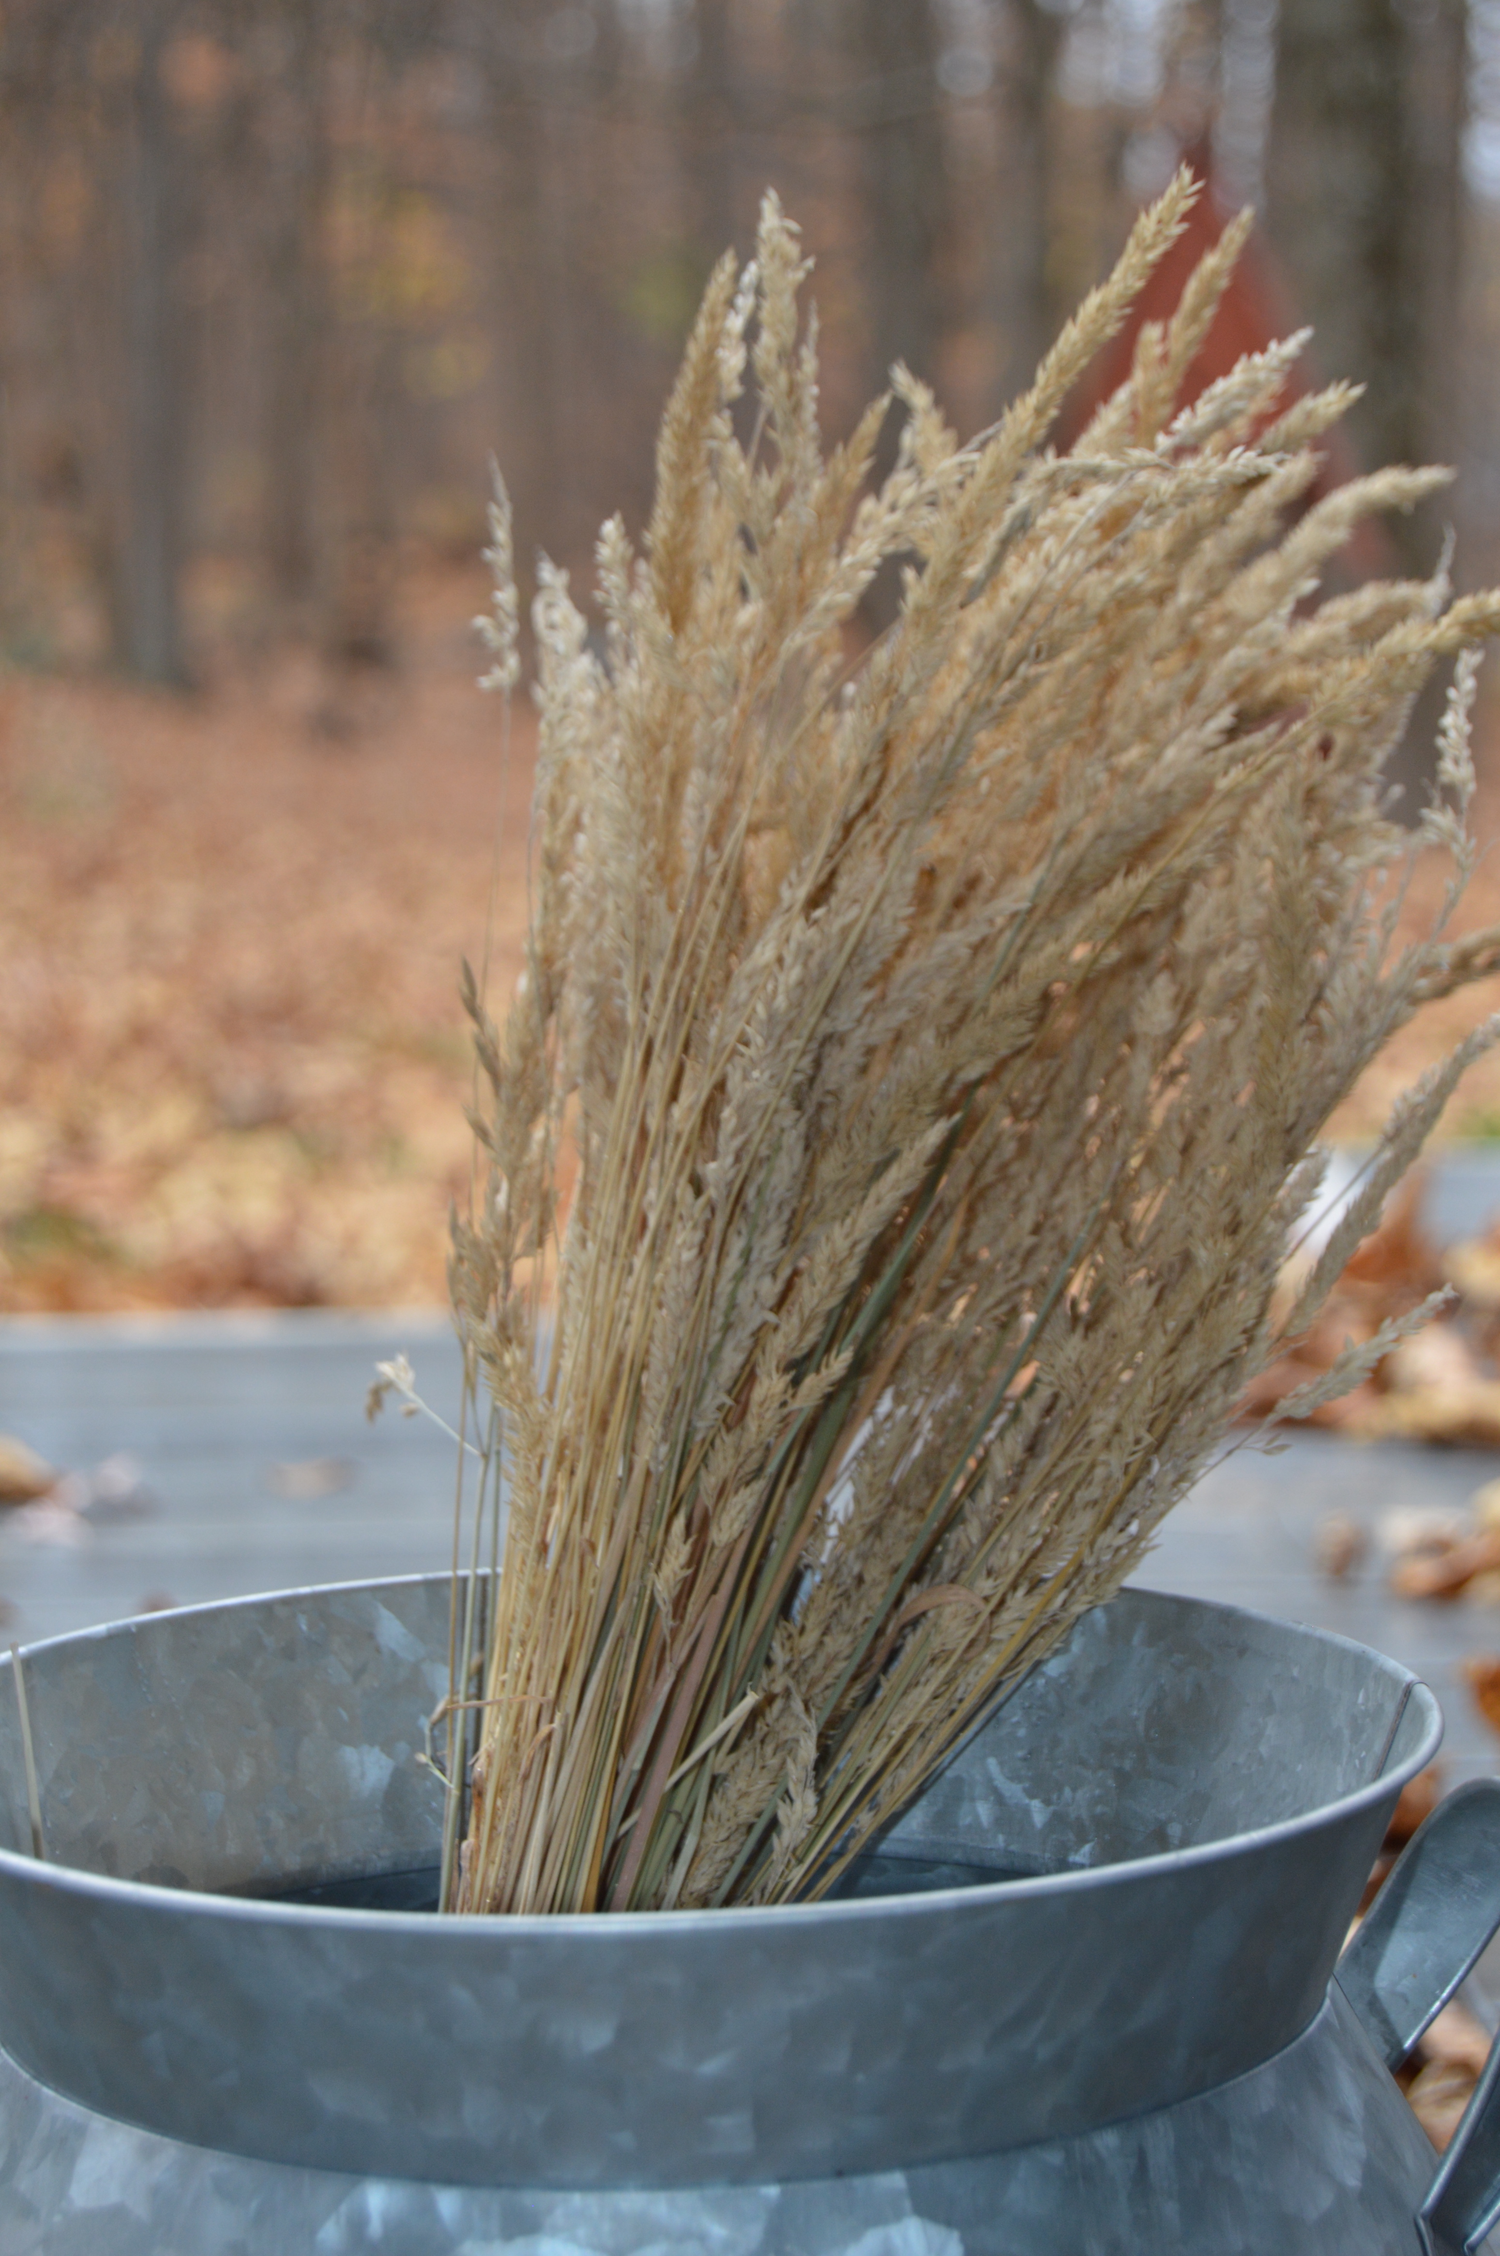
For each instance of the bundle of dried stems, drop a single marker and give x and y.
(928, 1049)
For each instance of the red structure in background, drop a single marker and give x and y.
(1255, 311)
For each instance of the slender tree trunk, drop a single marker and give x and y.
(903, 181)
(362, 433)
(903, 194)
(297, 310)
(1365, 200)
(710, 125)
(359, 628)
(527, 292)
(1437, 112)
(1030, 286)
(1365, 209)
(149, 545)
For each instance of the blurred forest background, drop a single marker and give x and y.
(277, 276)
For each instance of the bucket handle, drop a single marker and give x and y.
(1438, 1909)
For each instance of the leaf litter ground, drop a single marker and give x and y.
(232, 1059)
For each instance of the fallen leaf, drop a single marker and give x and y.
(1438, 2096)
(1421, 1527)
(50, 1520)
(1444, 1574)
(1474, 1267)
(1339, 1545)
(1466, 1416)
(1483, 1679)
(1418, 1798)
(117, 1488)
(1436, 1360)
(1484, 1507)
(114, 1490)
(23, 1474)
(1458, 2035)
(1399, 1252)
(1289, 1372)
(311, 1477)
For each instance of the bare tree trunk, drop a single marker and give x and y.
(710, 125)
(527, 289)
(359, 627)
(903, 194)
(148, 549)
(360, 570)
(298, 306)
(1030, 287)
(1366, 207)
(904, 185)
(1437, 112)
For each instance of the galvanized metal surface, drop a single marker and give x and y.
(1463, 2202)
(1314, 2154)
(1435, 1914)
(1189, 1773)
(1437, 1911)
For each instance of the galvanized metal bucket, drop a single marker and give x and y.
(1080, 2000)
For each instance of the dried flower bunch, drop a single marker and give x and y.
(927, 1051)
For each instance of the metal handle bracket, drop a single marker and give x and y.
(1438, 1909)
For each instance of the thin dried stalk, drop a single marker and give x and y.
(937, 1052)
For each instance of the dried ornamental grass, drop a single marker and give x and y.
(928, 1053)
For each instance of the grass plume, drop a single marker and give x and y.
(916, 1074)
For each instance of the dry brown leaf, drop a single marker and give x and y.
(1418, 1798)
(1399, 1255)
(1339, 1545)
(311, 1477)
(1474, 1267)
(1444, 1574)
(1483, 1679)
(1484, 1507)
(1459, 2036)
(1463, 1417)
(51, 1520)
(1422, 1527)
(1436, 1361)
(24, 1475)
(1346, 1412)
(1438, 2096)
(1448, 1387)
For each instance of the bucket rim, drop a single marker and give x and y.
(1410, 1690)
